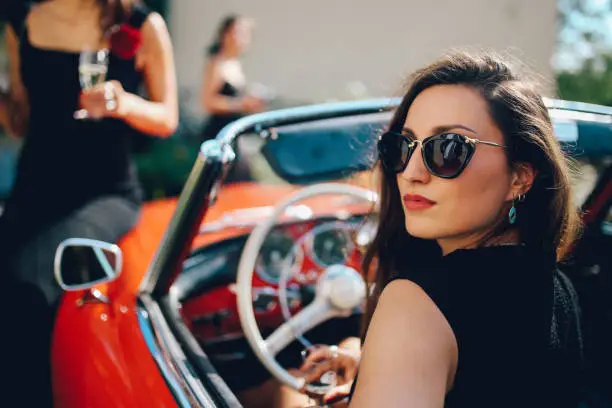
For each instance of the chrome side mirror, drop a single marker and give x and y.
(82, 263)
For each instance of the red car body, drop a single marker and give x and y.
(101, 357)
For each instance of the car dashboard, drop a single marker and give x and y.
(206, 287)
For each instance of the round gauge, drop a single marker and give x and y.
(331, 246)
(275, 255)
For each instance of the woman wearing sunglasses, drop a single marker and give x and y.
(468, 307)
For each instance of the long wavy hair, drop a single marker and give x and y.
(548, 218)
(114, 12)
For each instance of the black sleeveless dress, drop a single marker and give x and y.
(516, 321)
(65, 163)
(216, 122)
(71, 175)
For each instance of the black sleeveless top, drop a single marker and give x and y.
(64, 162)
(516, 321)
(216, 122)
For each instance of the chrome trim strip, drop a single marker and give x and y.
(150, 339)
(208, 377)
(568, 115)
(249, 217)
(577, 106)
(169, 349)
(260, 121)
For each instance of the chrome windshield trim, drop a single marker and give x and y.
(152, 343)
(169, 357)
(198, 195)
(584, 107)
(261, 121)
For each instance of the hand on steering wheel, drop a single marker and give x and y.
(340, 289)
(343, 362)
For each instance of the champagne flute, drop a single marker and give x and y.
(326, 381)
(93, 66)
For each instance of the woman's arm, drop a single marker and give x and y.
(410, 354)
(14, 109)
(215, 103)
(157, 116)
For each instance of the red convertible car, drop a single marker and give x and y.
(229, 275)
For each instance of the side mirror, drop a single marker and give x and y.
(82, 263)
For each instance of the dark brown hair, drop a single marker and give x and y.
(114, 12)
(547, 220)
(226, 24)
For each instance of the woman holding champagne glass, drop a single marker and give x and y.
(75, 69)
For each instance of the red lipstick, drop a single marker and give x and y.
(415, 202)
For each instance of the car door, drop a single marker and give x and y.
(590, 269)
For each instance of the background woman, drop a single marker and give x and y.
(224, 94)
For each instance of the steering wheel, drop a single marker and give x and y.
(339, 289)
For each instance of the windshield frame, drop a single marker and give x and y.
(213, 163)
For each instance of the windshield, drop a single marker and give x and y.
(344, 149)
(339, 149)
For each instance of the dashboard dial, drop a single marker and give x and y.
(331, 246)
(275, 255)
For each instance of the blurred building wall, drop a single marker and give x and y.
(320, 50)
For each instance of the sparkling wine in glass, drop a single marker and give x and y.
(326, 381)
(93, 65)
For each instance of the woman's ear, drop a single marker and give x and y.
(523, 176)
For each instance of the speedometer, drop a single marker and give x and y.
(276, 255)
(331, 246)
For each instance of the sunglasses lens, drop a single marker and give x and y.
(446, 155)
(394, 151)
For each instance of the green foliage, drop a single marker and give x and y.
(591, 83)
(584, 60)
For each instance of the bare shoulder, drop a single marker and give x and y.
(155, 35)
(404, 302)
(410, 352)
(156, 40)
(155, 23)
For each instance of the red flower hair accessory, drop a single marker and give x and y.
(125, 40)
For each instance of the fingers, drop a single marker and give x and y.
(337, 394)
(316, 356)
(101, 100)
(317, 370)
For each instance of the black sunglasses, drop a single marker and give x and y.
(445, 155)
